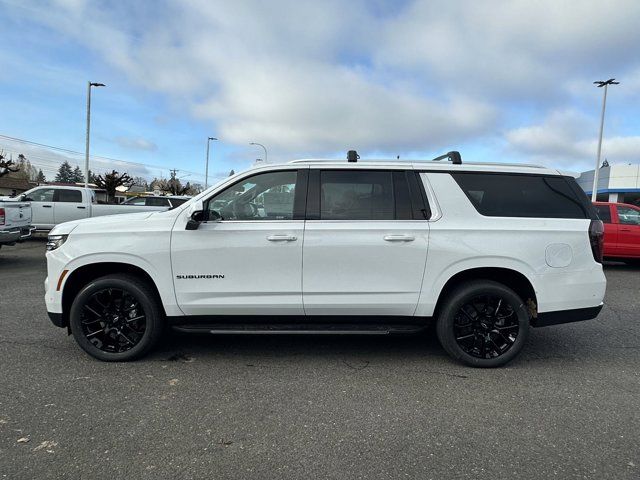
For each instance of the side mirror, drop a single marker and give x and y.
(196, 215)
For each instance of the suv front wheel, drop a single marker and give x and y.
(483, 324)
(116, 318)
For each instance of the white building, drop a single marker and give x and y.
(616, 183)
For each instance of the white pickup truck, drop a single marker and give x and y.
(15, 222)
(53, 204)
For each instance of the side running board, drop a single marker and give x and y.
(300, 329)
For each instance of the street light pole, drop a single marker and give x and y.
(206, 171)
(86, 156)
(263, 147)
(600, 84)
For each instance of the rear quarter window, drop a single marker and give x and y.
(533, 196)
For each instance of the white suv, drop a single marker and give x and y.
(484, 250)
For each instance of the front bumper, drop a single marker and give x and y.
(559, 317)
(57, 319)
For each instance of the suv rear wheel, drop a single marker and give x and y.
(116, 318)
(483, 324)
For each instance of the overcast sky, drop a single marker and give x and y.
(497, 80)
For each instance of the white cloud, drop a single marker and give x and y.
(136, 143)
(569, 139)
(314, 77)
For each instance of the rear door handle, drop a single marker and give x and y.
(46, 206)
(282, 238)
(399, 238)
(82, 207)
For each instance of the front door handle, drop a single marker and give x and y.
(81, 207)
(282, 238)
(46, 206)
(399, 238)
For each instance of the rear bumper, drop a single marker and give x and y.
(26, 232)
(546, 319)
(15, 234)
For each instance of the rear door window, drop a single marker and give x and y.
(356, 195)
(68, 196)
(510, 195)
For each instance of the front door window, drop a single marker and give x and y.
(266, 196)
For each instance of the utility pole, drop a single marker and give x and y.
(600, 84)
(206, 171)
(86, 156)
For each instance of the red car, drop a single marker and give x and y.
(621, 231)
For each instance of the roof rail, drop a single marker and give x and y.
(453, 156)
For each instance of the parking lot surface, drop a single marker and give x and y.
(266, 407)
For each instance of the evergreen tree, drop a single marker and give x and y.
(78, 176)
(40, 178)
(65, 173)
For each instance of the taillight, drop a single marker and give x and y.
(1, 216)
(596, 238)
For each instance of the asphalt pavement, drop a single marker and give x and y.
(252, 407)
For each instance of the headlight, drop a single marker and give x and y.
(55, 241)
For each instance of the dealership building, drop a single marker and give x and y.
(616, 183)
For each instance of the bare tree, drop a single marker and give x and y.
(111, 181)
(7, 166)
(141, 182)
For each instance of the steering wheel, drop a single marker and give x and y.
(244, 211)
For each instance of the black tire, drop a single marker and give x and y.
(469, 320)
(123, 330)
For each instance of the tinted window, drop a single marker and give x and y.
(628, 216)
(604, 213)
(267, 196)
(356, 195)
(74, 196)
(508, 195)
(157, 202)
(42, 195)
(136, 201)
(177, 202)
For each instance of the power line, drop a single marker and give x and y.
(93, 157)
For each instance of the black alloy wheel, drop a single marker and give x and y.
(116, 318)
(113, 320)
(483, 324)
(486, 326)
